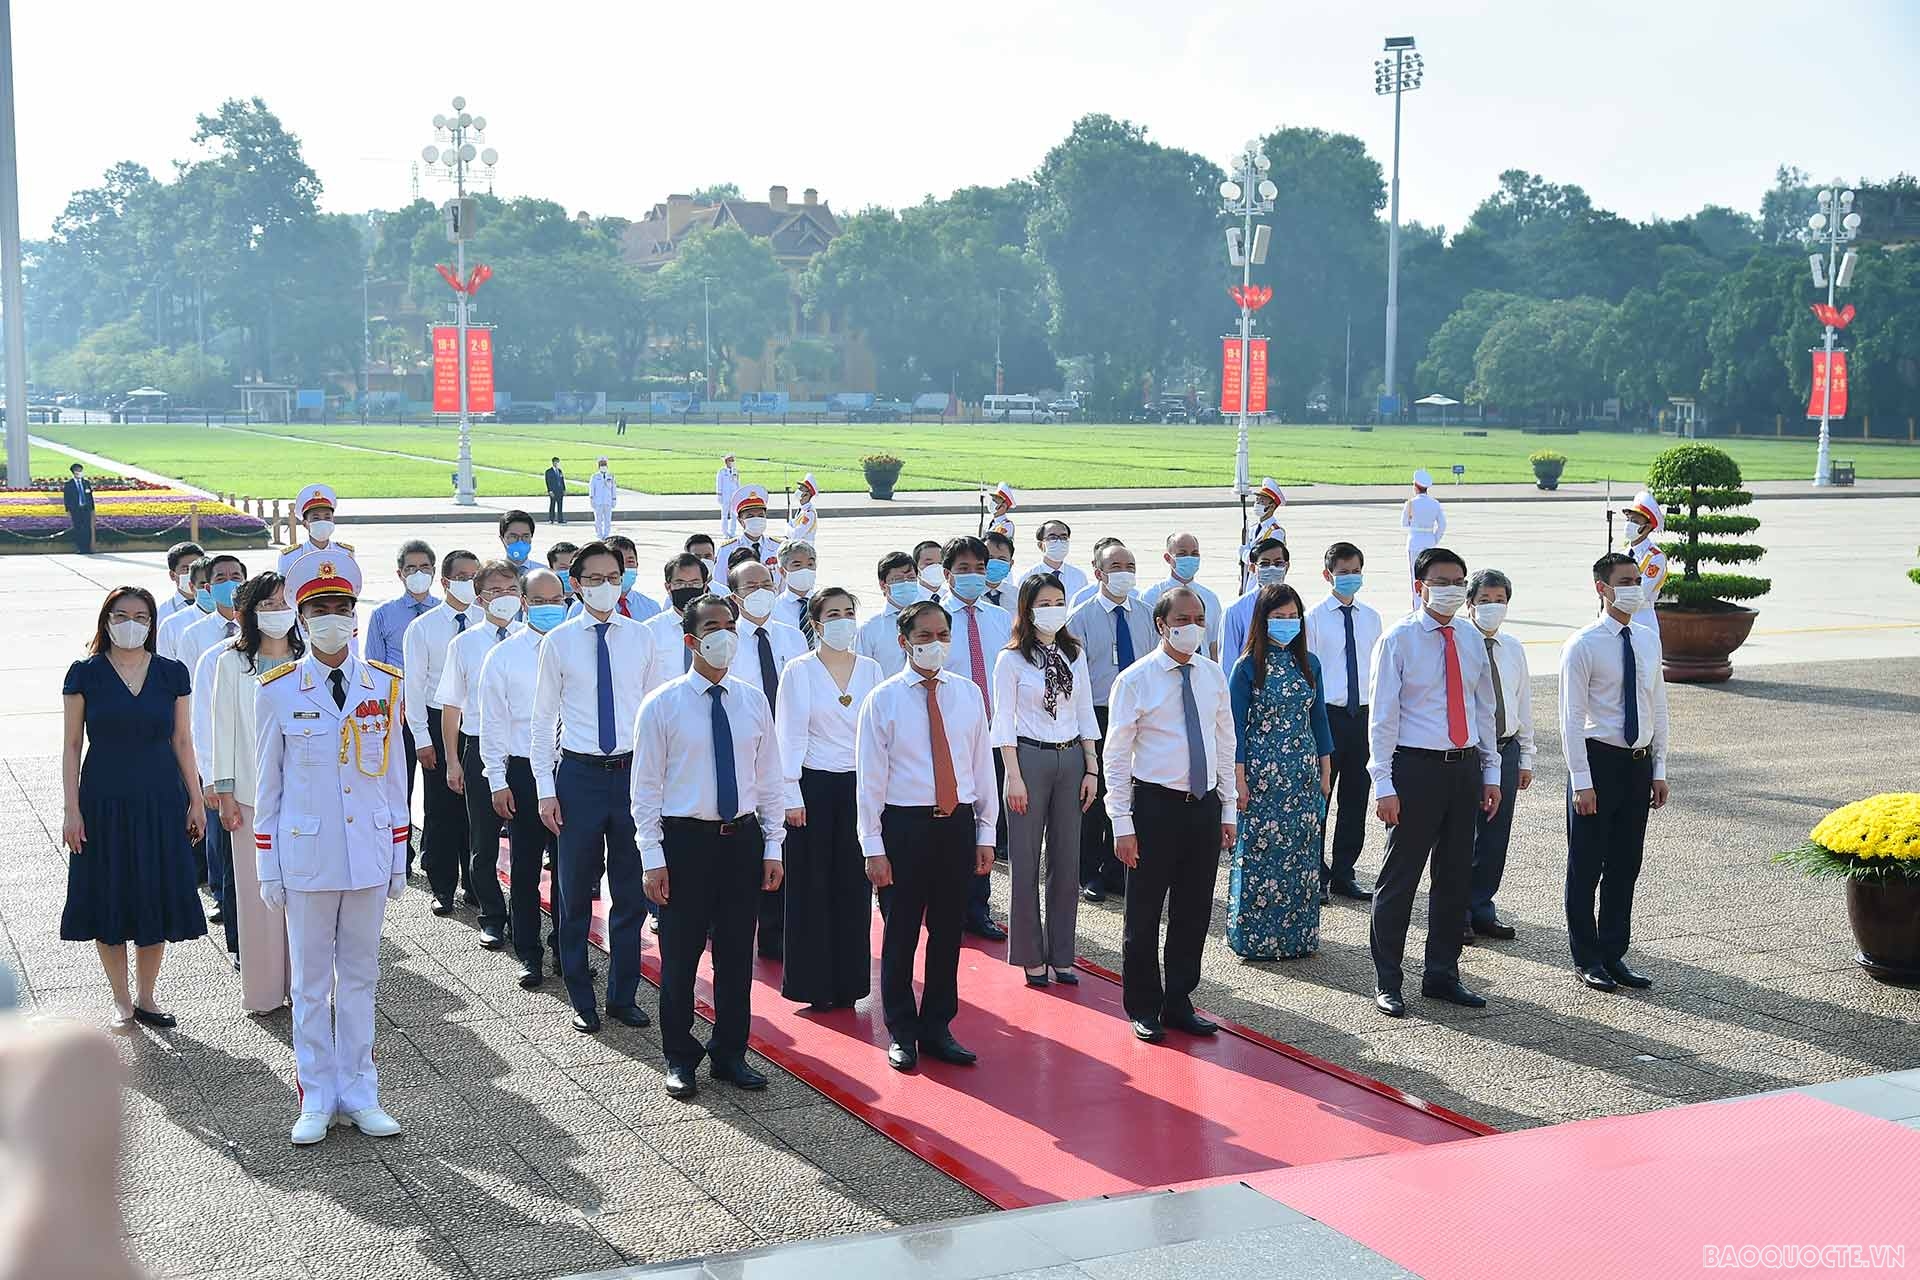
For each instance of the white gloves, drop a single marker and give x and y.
(274, 894)
(397, 887)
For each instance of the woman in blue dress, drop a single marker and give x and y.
(1281, 760)
(133, 809)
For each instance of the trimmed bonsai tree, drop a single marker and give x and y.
(1704, 482)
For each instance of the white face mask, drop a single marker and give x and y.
(185, 583)
(274, 622)
(1188, 638)
(1121, 583)
(1056, 549)
(1270, 575)
(718, 647)
(838, 633)
(503, 609)
(601, 596)
(461, 593)
(419, 582)
(320, 530)
(758, 603)
(713, 569)
(1630, 599)
(127, 634)
(1488, 617)
(1049, 618)
(1446, 601)
(931, 656)
(933, 577)
(330, 632)
(754, 525)
(800, 581)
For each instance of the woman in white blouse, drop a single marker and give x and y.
(1044, 728)
(267, 639)
(829, 953)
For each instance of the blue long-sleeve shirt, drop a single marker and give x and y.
(388, 627)
(1240, 689)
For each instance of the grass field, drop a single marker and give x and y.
(389, 461)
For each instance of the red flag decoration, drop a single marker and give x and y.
(1230, 375)
(1818, 404)
(477, 277)
(446, 273)
(446, 369)
(1252, 297)
(1838, 318)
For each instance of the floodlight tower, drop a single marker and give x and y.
(1398, 74)
(462, 133)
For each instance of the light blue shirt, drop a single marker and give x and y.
(388, 627)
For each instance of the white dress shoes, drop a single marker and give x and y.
(310, 1128)
(374, 1122)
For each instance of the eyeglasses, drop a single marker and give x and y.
(596, 579)
(119, 615)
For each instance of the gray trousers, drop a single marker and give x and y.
(1053, 809)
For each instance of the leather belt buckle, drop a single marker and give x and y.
(948, 814)
(726, 828)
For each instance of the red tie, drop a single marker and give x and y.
(624, 611)
(978, 657)
(1456, 696)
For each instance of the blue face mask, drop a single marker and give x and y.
(1282, 631)
(204, 598)
(969, 586)
(545, 617)
(1186, 568)
(628, 578)
(997, 571)
(566, 581)
(1347, 584)
(223, 593)
(518, 551)
(903, 594)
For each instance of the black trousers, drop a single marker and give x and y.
(443, 840)
(82, 531)
(1439, 800)
(596, 838)
(483, 838)
(829, 903)
(980, 891)
(1603, 854)
(1098, 866)
(413, 764)
(1350, 788)
(1179, 841)
(713, 886)
(932, 861)
(556, 508)
(526, 849)
(220, 868)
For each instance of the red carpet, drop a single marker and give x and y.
(1066, 1104)
(1640, 1195)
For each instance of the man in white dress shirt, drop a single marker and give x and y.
(207, 635)
(1170, 779)
(1115, 631)
(180, 558)
(225, 573)
(707, 799)
(763, 650)
(1270, 563)
(927, 809)
(585, 703)
(1489, 592)
(797, 577)
(1613, 726)
(423, 653)
(686, 581)
(980, 631)
(462, 721)
(1343, 633)
(1055, 540)
(1092, 588)
(1435, 766)
(1183, 570)
(880, 635)
(507, 679)
(634, 603)
(167, 642)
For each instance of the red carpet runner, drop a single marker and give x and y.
(1065, 1103)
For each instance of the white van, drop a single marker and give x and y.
(1015, 409)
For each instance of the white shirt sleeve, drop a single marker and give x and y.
(1119, 756)
(1082, 700)
(1005, 729)
(496, 723)
(1487, 730)
(1659, 743)
(1224, 744)
(1575, 673)
(1518, 653)
(794, 714)
(648, 789)
(1383, 717)
(872, 748)
(986, 805)
(772, 798)
(453, 675)
(413, 659)
(544, 742)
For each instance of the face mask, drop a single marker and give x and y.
(1270, 575)
(566, 581)
(931, 656)
(754, 525)
(330, 632)
(997, 571)
(1347, 584)
(185, 583)
(1630, 599)
(713, 569)
(838, 633)
(1186, 568)
(933, 577)
(903, 594)
(627, 578)
(1121, 583)
(1056, 549)
(204, 599)
(601, 596)
(969, 586)
(603, 468)
(1049, 618)
(1283, 630)
(518, 551)
(321, 531)
(503, 609)
(684, 596)
(800, 581)
(545, 617)
(1187, 639)
(1446, 601)
(224, 592)
(718, 647)
(461, 593)
(274, 622)
(419, 582)
(128, 634)
(1488, 617)
(758, 603)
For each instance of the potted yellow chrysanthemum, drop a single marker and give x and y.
(1874, 844)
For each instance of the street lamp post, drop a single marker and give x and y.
(706, 346)
(999, 370)
(1396, 75)
(1247, 193)
(12, 298)
(462, 132)
(366, 314)
(1833, 225)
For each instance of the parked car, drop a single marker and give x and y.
(1142, 414)
(875, 413)
(1209, 415)
(526, 412)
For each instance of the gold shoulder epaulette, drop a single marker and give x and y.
(277, 672)
(381, 666)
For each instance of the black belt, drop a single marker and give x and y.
(1177, 793)
(708, 825)
(928, 811)
(1631, 753)
(1512, 737)
(609, 763)
(1452, 755)
(1038, 745)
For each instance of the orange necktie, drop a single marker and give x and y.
(946, 790)
(1456, 694)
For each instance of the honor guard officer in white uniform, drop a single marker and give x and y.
(1003, 504)
(726, 484)
(805, 524)
(1425, 521)
(314, 509)
(750, 506)
(1646, 520)
(330, 823)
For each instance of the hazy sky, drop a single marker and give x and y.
(1652, 107)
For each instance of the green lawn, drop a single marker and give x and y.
(390, 461)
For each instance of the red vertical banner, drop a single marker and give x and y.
(479, 370)
(1257, 375)
(1817, 401)
(1230, 375)
(446, 369)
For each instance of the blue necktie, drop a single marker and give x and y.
(1122, 639)
(726, 787)
(1629, 687)
(1198, 783)
(1354, 701)
(459, 623)
(769, 673)
(608, 738)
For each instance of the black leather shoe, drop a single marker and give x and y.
(1466, 936)
(216, 916)
(1390, 1003)
(1066, 977)
(491, 939)
(1598, 978)
(1351, 889)
(1148, 1029)
(442, 906)
(1092, 893)
(1618, 971)
(947, 1049)
(629, 1015)
(587, 1024)
(530, 975)
(1494, 929)
(153, 1018)
(1450, 991)
(902, 1057)
(739, 1075)
(680, 1083)
(1194, 1025)
(1037, 979)
(989, 930)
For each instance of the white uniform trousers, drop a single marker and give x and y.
(603, 523)
(334, 937)
(1417, 541)
(728, 527)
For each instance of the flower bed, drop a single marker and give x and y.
(130, 513)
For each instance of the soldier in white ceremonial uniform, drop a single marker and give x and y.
(314, 510)
(602, 494)
(750, 507)
(1267, 501)
(1425, 521)
(330, 835)
(804, 525)
(1003, 503)
(1647, 520)
(726, 483)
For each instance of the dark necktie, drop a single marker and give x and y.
(1354, 700)
(1499, 694)
(1122, 639)
(726, 784)
(1198, 784)
(806, 621)
(1629, 687)
(769, 674)
(233, 628)
(604, 685)
(459, 622)
(339, 682)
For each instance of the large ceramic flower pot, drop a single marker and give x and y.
(1696, 644)
(1885, 914)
